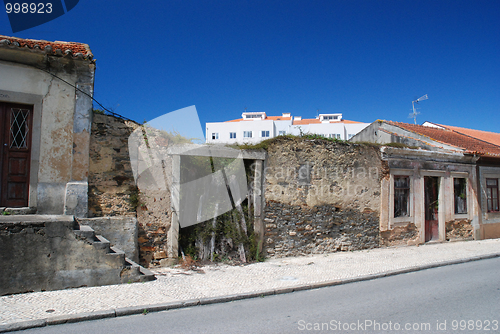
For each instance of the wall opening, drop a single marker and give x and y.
(431, 189)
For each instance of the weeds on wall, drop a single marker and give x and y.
(264, 145)
(230, 236)
(195, 241)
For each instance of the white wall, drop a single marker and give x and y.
(257, 126)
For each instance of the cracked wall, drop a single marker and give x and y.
(61, 126)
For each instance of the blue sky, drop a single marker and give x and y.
(365, 59)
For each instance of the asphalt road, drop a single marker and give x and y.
(463, 298)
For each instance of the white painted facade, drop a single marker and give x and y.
(254, 127)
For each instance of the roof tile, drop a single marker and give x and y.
(57, 48)
(468, 143)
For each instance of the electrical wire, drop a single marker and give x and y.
(93, 99)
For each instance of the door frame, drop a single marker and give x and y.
(431, 193)
(10, 154)
(36, 102)
(441, 204)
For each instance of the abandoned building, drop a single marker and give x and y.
(75, 212)
(440, 177)
(45, 120)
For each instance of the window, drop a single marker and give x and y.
(460, 193)
(265, 133)
(401, 196)
(232, 135)
(334, 135)
(350, 135)
(330, 117)
(19, 127)
(492, 194)
(247, 134)
(215, 135)
(282, 133)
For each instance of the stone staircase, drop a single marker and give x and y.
(132, 272)
(51, 252)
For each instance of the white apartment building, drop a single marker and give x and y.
(254, 127)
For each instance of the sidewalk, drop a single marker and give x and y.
(176, 288)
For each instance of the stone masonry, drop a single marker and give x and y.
(321, 196)
(112, 190)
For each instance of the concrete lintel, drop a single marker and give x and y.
(218, 151)
(416, 154)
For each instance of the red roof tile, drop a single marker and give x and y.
(490, 137)
(76, 50)
(451, 137)
(317, 121)
(295, 122)
(268, 118)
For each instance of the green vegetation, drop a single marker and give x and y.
(134, 197)
(165, 137)
(228, 235)
(264, 145)
(227, 231)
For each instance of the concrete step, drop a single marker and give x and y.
(145, 274)
(101, 242)
(132, 271)
(85, 232)
(6, 211)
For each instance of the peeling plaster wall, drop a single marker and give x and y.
(317, 172)
(61, 127)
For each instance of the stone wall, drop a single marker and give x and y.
(300, 230)
(400, 236)
(112, 190)
(459, 229)
(321, 196)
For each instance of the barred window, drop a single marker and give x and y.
(460, 193)
(401, 196)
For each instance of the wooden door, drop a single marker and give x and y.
(15, 153)
(431, 189)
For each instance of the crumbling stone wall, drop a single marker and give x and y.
(321, 196)
(112, 190)
(300, 230)
(154, 215)
(400, 236)
(460, 229)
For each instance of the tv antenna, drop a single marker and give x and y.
(415, 112)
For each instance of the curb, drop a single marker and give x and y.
(145, 309)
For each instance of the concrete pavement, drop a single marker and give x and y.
(175, 287)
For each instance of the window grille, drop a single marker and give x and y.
(19, 128)
(401, 196)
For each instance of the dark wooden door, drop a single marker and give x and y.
(431, 189)
(15, 153)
